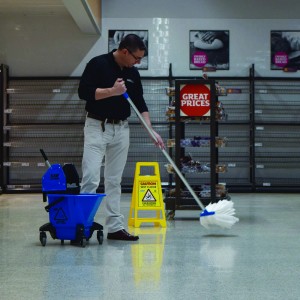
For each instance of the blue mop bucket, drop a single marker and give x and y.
(71, 210)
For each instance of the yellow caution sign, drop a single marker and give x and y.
(149, 194)
(147, 197)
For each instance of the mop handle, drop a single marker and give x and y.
(165, 152)
(45, 158)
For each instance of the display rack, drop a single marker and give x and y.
(47, 113)
(238, 128)
(277, 134)
(4, 75)
(262, 130)
(200, 167)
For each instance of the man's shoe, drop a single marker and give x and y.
(122, 235)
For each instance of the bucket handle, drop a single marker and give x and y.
(60, 199)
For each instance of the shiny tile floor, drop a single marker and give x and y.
(259, 258)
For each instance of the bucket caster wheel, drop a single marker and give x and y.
(83, 242)
(100, 237)
(62, 242)
(43, 238)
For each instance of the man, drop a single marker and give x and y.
(106, 133)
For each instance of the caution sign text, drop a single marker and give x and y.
(148, 194)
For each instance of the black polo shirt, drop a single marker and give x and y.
(102, 72)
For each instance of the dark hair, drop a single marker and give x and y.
(132, 42)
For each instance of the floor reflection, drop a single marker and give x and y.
(147, 257)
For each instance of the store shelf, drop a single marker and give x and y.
(262, 128)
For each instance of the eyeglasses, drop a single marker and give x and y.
(135, 57)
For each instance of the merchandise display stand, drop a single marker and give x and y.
(195, 113)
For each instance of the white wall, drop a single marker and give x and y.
(169, 43)
(54, 46)
(202, 9)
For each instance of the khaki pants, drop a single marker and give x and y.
(113, 144)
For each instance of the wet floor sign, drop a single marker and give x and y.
(147, 197)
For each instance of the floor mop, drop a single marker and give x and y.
(220, 214)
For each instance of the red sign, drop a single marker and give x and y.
(195, 100)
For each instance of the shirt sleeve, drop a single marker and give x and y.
(88, 84)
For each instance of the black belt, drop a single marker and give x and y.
(105, 120)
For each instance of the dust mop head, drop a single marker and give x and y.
(218, 214)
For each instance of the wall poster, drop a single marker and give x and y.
(285, 49)
(210, 49)
(115, 37)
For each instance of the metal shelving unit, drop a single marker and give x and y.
(237, 129)
(277, 134)
(47, 113)
(262, 128)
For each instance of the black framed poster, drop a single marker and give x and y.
(210, 49)
(115, 37)
(285, 49)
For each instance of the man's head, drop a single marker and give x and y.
(132, 42)
(131, 50)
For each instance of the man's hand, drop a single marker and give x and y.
(119, 87)
(159, 141)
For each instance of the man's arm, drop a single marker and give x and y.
(159, 142)
(117, 89)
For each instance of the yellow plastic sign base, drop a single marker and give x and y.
(147, 197)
